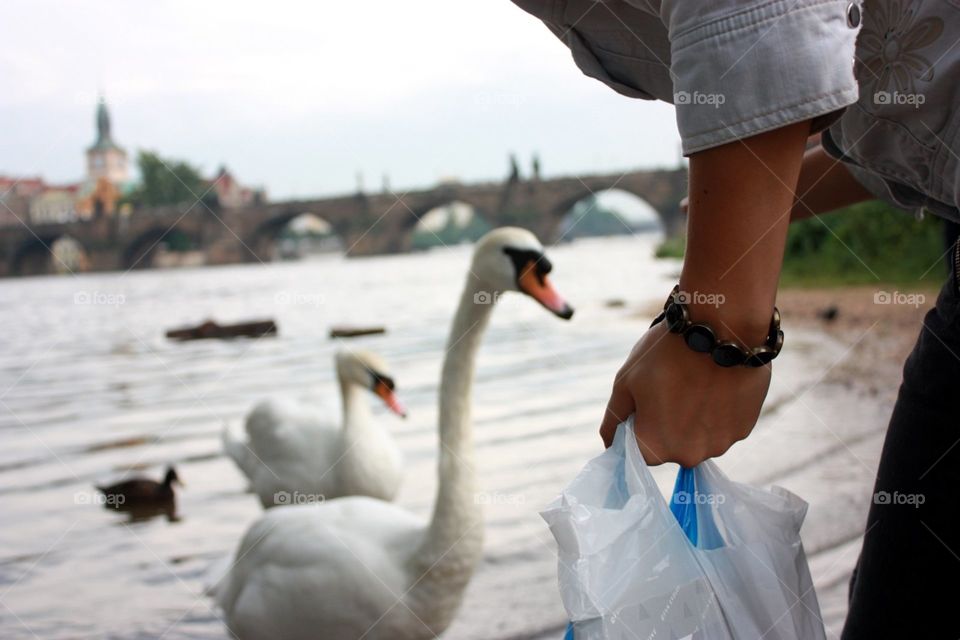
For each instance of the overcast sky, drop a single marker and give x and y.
(301, 96)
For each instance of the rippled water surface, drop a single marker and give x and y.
(91, 389)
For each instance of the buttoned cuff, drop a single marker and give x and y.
(762, 68)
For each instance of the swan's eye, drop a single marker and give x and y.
(380, 378)
(525, 259)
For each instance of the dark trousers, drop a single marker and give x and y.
(905, 584)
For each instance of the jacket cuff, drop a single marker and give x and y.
(759, 69)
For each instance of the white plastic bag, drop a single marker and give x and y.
(628, 569)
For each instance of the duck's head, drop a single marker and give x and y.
(172, 477)
(512, 259)
(368, 370)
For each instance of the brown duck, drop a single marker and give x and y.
(142, 492)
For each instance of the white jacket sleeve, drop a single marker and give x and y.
(742, 68)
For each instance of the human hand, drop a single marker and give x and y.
(686, 408)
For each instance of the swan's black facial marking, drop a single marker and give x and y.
(377, 378)
(522, 258)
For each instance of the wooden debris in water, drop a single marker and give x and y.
(213, 330)
(353, 332)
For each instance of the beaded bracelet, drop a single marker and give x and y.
(701, 338)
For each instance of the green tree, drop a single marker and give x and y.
(165, 181)
(865, 243)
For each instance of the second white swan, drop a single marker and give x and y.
(294, 453)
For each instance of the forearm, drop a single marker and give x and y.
(740, 203)
(825, 185)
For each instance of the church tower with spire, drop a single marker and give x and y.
(106, 159)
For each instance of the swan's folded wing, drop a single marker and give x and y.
(293, 554)
(238, 450)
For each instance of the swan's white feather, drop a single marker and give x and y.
(298, 450)
(297, 565)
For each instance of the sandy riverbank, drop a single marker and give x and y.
(879, 327)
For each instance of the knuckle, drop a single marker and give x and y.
(692, 456)
(717, 451)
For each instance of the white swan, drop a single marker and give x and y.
(294, 454)
(358, 567)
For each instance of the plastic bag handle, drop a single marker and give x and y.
(683, 504)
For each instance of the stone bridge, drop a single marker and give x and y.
(368, 223)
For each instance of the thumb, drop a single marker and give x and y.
(619, 408)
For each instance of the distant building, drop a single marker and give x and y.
(231, 194)
(31, 200)
(99, 199)
(34, 200)
(22, 187)
(54, 205)
(15, 197)
(106, 159)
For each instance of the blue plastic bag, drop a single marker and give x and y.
(723, 562)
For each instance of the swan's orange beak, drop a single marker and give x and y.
(390, 399)
(539, 287)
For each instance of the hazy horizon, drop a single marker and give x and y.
(302, 98)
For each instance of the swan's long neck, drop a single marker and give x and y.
(453, 543)
(356, 408)
(361, 442)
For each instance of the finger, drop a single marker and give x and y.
(619, 408)
(652, 450)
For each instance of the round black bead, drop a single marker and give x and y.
(760, 356)
(728, 354)
(676, 317)
(778, 343)
(853, 15)
(700, 338)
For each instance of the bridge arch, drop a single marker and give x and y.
(50, 254)
(295, 233)
(450, 223)
(144, 249)
(613, 211)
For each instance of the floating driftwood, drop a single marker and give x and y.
(211, 329)
(353, 332)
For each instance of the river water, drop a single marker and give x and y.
(90, 388)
